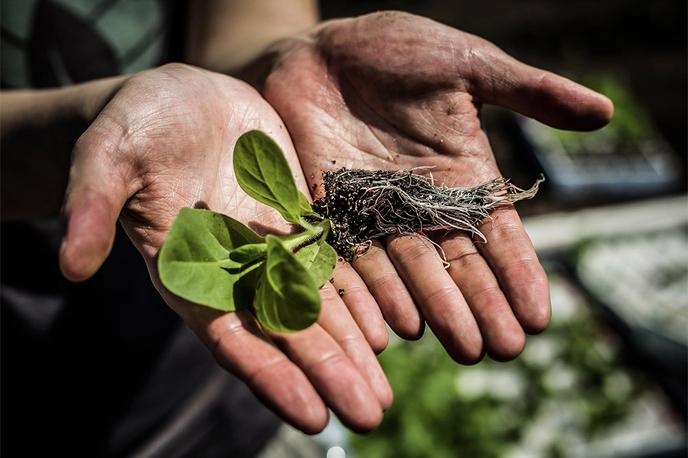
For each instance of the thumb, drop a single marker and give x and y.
(499, 79)
(96, 193)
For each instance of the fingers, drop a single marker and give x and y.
(97, 191)
(337, 321)
(512, 257)
(394, 300)
(307, 372)
(277, 381)
(499, 79)
(437, 295)
(334, 376)
(503, 336)
(362, 305)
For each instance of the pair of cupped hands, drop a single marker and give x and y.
(383, 91)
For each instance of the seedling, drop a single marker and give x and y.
(214, 260)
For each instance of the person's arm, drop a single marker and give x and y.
(38, 129)
(225, 35)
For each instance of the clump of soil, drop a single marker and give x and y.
(364, 205)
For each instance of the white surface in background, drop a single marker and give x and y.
(336, 452)
(555, 231)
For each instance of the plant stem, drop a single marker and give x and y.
(294, 242)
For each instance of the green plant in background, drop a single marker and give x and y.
(214, 260)
(565, 390)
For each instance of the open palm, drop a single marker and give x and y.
(165, 141)
(391, 90)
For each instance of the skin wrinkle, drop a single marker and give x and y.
(363, 155)
(496, 229)
(464, 126)
(100, 141)
(350, 342)
(414, 117)
(487, 289)
(270, 367)
(444, 295)
(226, 340)
(386, 123)
(462, 255)
(328, 361)
(520, 265)
(371, 112)
(155, 190)
(472, 74)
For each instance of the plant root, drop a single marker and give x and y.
(365, 205)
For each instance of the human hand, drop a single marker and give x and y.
(391, 90)
(164, 141)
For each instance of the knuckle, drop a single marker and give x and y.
(487, 294)
(442, 296)
(223, 342)
(505, 231)
(277, 365)
(329, 362)
(527, 264)
(350, 341)
(384, 281)
(406, 252)
(356, 290)
(464, 256)
(328, 293)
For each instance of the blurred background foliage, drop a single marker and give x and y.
(566, 393)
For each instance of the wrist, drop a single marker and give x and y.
(37, 133)
(88, 99)
(257, 71)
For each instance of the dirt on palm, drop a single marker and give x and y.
(364, 205)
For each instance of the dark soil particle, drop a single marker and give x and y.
(365, 205)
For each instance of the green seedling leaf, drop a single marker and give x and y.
(287, 299)
(307, 212)
(264, 174)
(248, 253)
(213, 260)
(305, 206)
(319, 259)
(194, 261)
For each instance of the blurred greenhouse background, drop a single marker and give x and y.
(608, 378)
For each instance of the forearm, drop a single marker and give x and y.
(38, 129)
(227, 35)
